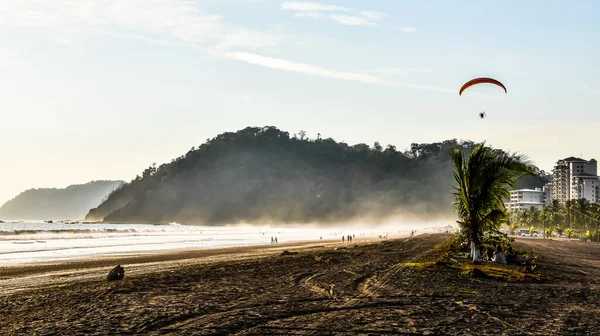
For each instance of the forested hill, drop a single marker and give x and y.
(262, 175)
(72, 202)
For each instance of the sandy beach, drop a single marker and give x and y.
(377, 287)
(15, 278)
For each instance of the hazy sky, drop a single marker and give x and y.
(100, 89)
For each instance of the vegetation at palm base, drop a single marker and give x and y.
(263, 174)
(72, 202)
(482, 182)
(577, 217)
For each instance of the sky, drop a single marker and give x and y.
(101, 89)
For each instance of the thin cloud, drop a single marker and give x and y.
(285, 65)
(311, 6)
(407, 29)
(396, 71)
(249, 39)
(373, 15)
(586, 88)
(312, 15)
(315, 10)
(349, 20)
(174, 20)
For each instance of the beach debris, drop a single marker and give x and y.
(286, 253)
(477, 273)
(330, 292)
(117, 273)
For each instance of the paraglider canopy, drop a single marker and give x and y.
(481, 80)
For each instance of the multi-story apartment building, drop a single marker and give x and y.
(526, 198)
(585, 186)
(574, 178)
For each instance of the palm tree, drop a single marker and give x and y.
(536, 216)
(569, 232)
(595, 214)
(580, 209)
(546, 218)
(559, 230)
(568, 214)
(532, 230)
(549, 231)
(558, 217)
(524, 217)
(482, 182)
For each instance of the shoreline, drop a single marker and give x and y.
(35, 275)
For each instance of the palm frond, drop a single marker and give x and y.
(482, 182)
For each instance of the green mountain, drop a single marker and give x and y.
(264, 175)
(72, 202)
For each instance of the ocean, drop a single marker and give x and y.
(35, 242)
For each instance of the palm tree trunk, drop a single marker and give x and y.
(544, 226)
(475, 243)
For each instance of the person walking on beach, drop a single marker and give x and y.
(275, 240)
(343, 239)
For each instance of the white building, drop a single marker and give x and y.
(574, 178)
(585, 186)
(522, 199)
(547, 189)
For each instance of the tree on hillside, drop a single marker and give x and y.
(482, 182)
(262, 174)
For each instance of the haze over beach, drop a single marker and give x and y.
(282, 167)
(100, 90)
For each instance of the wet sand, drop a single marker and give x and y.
(35, 275)
(362, 288)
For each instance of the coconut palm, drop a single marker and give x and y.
(482, 182)
(549, 231)
(525, 217)
(536, 216)
(568, 213)
(559, 230)
(546, 218)
(557, 211)
(580, 209)
(569, 232)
